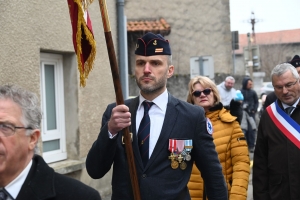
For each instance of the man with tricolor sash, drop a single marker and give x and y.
(276, 169)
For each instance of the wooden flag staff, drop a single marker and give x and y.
(119, 98)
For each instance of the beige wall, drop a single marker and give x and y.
(31, 27)
(198, 28)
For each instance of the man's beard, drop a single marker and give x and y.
(148, 89)
(228, 88)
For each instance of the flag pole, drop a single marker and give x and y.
(119, 98)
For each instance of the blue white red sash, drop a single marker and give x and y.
(285, 123)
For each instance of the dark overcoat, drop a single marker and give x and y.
(42, 183)
(276, 169)
(157, 180)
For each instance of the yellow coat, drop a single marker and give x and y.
(233, 154)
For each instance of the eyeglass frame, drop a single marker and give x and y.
(200, 92)
(287, 86)
(12, 128)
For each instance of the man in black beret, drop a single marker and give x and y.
(169, 135)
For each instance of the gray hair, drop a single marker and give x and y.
(229, 78)
(282, 68)
(28, 102)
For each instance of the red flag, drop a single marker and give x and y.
(83, 38)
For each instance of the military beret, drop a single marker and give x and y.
(295, 61)
(151, 44)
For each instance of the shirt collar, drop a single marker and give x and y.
(294, 105)
(160, 101)
(14, 187)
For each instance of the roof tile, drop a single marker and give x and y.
(277, 37)
(154, 25)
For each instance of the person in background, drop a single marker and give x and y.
(262, 108)
(228, 93)
(176, 135)
(272, 97)
(246, 120)
(226, 90)
(250, 105)
(276, 168)
(229, 140)
(24, 174)
(235, 106)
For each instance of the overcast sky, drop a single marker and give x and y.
(270, 15)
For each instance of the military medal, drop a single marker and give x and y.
(172, 157)
(188, 157)
(183, 165)
(174, 164)
(180, 148)
(188, 145)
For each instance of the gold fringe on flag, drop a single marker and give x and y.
(86, 3)
(85, 68)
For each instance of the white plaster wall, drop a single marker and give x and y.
(33, 26)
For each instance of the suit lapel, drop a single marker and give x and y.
(168, 125)
(133, 109)
(39, 183)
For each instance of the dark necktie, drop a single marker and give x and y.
(3, 195)
(288, 110)
(144, 133)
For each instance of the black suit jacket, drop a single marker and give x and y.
(157, 179)
(42, 183)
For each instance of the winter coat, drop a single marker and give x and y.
(236, 110)
(276, 167)
(232, 150)
(250, 103)
(244, 123)
(269, 99)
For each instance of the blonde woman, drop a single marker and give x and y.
(229, 140)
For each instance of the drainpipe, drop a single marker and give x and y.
(122, 47)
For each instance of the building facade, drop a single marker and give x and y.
(197, 28)
(37, 53)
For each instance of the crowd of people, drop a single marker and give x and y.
(193, 149)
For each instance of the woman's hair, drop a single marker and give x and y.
(205, 82)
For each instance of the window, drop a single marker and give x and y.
(53, 108)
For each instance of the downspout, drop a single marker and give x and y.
(122, 47)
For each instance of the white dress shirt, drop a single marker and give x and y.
(14, 187)
(294, 106)
(157, 114)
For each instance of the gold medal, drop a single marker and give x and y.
(174, 164)
(183, 165)
(180, 158)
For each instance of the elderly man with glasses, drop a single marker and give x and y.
(276, 170)
(23, 174)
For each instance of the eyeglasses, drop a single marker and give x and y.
(197, 93)
(287, 86)
(9, 129)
